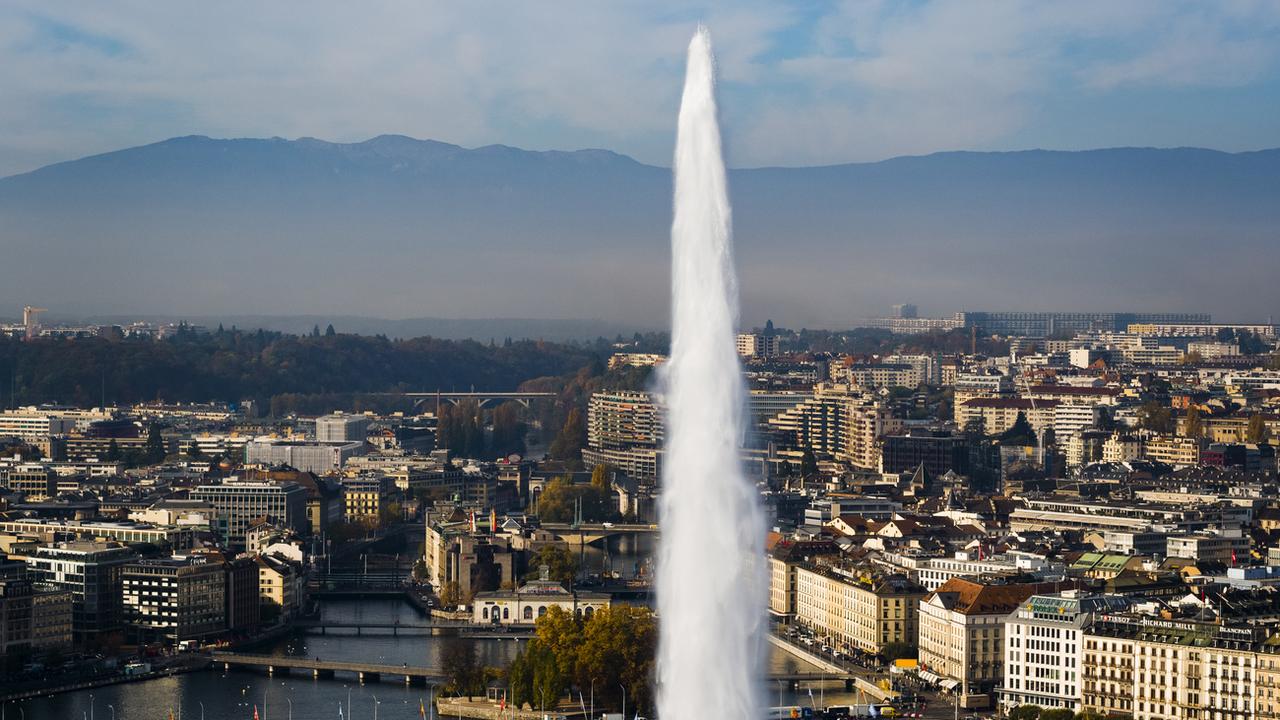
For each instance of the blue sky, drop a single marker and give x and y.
(801, 83)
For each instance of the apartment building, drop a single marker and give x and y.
(1157, 669)
(624, 430)
(962, 635)
(857, 609)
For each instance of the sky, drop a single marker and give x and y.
(801, 83)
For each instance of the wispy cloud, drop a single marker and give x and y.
(803, 83)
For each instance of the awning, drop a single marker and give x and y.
(949, 684)
(927, 676)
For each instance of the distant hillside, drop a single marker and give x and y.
(480, 329)
(397, 227)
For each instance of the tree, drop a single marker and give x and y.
(460, 665)
(113, 451)
(155, 445)
(193, 451)
(315, 331)
(1192, 425)
(1057, 714)
(618, 647)
(601, 476)
(1156, 417)
(808, 463)
(1257, 431)
(1019, 433)
(562, 567)
(898, 650)
(1025, 712)
(329, 331)
(572, 438)
(451, 594)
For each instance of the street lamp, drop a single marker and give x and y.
(624, 700)
(90, 706)
(112, 708)
(375, 707)
(593, 699)
(290, 701)
(201, 710)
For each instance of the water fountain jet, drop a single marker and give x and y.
(711, 581)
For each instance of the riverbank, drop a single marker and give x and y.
(489, 710)
(188, 664)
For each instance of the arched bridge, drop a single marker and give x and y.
(481, 397)
(593, 532)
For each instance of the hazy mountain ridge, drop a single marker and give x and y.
(400, 227)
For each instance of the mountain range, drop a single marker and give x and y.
(395, 227)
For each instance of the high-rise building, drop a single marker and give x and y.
(341, 428)
(174, 598)
(1042, 648)
(905, 311)
(839, 421)
(624, 430)
(757, 345)
(92, 572)
(240, 502)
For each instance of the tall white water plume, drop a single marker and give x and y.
(711, 582)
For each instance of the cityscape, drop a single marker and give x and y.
(417, 428)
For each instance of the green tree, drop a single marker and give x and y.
(897, 651)
(562, 566)
(155, 445)
(1257, 431)
(1057, 714)
(1025, 712)
(329, 331)
(113, 451)
(1019, 433)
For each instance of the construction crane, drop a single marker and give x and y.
(31, 319)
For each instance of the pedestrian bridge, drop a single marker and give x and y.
(321, 668)
(412, 674)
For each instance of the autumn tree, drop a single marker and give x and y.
(572, 438)
(1257, 432)
(601, 476)
(1192, 425)
(1156, 417)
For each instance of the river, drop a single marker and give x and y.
(232, 696)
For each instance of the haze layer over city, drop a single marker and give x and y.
(787, 361)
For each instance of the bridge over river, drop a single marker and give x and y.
(415, 675)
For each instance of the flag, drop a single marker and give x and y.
(1233, 557)
(503, 704)
(339, 711)
(255, 713)
(422, 709)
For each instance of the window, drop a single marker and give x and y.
(528, 612)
